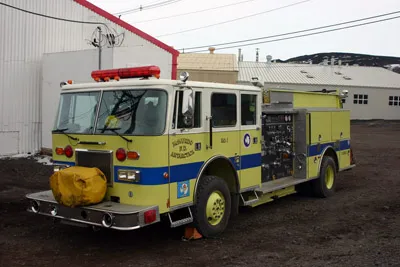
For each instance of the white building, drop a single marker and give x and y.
(27, 37)
(374, 92)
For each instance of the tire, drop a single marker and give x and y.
(324, 186)
(213, 206)
(304, 189)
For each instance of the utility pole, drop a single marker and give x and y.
(99, 47)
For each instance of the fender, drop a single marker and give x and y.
(204, 167)
(322, 156)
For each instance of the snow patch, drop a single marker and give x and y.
(16, 156)
(42, 159)
(45, 160)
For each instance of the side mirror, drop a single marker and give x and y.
(187, 107)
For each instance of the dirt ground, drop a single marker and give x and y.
(358, 226)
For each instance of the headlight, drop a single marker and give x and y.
(57, 168)
(129, 175)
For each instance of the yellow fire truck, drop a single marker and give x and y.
(192, 152)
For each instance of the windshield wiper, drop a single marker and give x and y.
(114, 130)
(63, 132)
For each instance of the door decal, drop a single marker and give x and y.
(246, 140)
(183, 189)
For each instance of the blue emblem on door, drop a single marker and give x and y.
(247, 140)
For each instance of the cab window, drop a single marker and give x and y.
(223, 110)
(249, 109)
(197, 111)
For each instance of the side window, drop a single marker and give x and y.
(223, 109)
(360, 99)
(394, 100)
(197, 111)
(249, 109)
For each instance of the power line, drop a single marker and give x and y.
(109, 33)
(298, 36)
(290, 33)
(193, 12)
(150, 6)
(228, 21)
(50, 17)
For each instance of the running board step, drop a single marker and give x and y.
(278, 184)
(181, 222)
(251, 201)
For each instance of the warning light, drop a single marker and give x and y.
(59, 151)
(133, 155)
(124, 73)
(69, 152)
(120, 154)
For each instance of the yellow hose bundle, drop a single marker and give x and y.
(78, 186)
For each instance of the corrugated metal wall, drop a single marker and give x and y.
(25, 38)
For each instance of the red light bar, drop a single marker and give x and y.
(135, 72)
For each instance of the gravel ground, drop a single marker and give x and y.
(358, 226)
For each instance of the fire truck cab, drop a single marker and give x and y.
(193, 152)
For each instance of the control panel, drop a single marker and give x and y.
(277, 146)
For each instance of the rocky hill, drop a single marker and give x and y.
(392, 63)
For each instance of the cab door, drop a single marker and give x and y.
(225, 125)
(187, 146)
(250, 135)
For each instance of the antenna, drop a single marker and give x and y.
(257, 49)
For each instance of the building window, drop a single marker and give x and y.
(360, 99)
(223, 110)
(249, 109)
(197, 110)
(394, 100)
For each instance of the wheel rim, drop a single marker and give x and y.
(329, 177)
(215, 209)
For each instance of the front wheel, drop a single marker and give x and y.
(325, 184)
(213, 206)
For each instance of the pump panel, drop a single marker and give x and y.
(277, 149)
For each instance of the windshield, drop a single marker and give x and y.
(126, 112)
(133, 112)
(77, 112)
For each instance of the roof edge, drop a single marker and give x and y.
(127, 26)
(326, 84)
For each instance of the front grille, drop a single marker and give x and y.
(96, 158)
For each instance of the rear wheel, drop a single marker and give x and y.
(213, 206)
(325, 184)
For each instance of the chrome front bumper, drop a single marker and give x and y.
(105, 214)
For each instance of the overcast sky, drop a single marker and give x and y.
(380, 39)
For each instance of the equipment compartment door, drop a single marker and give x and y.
(250, 137)
(341, 135)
